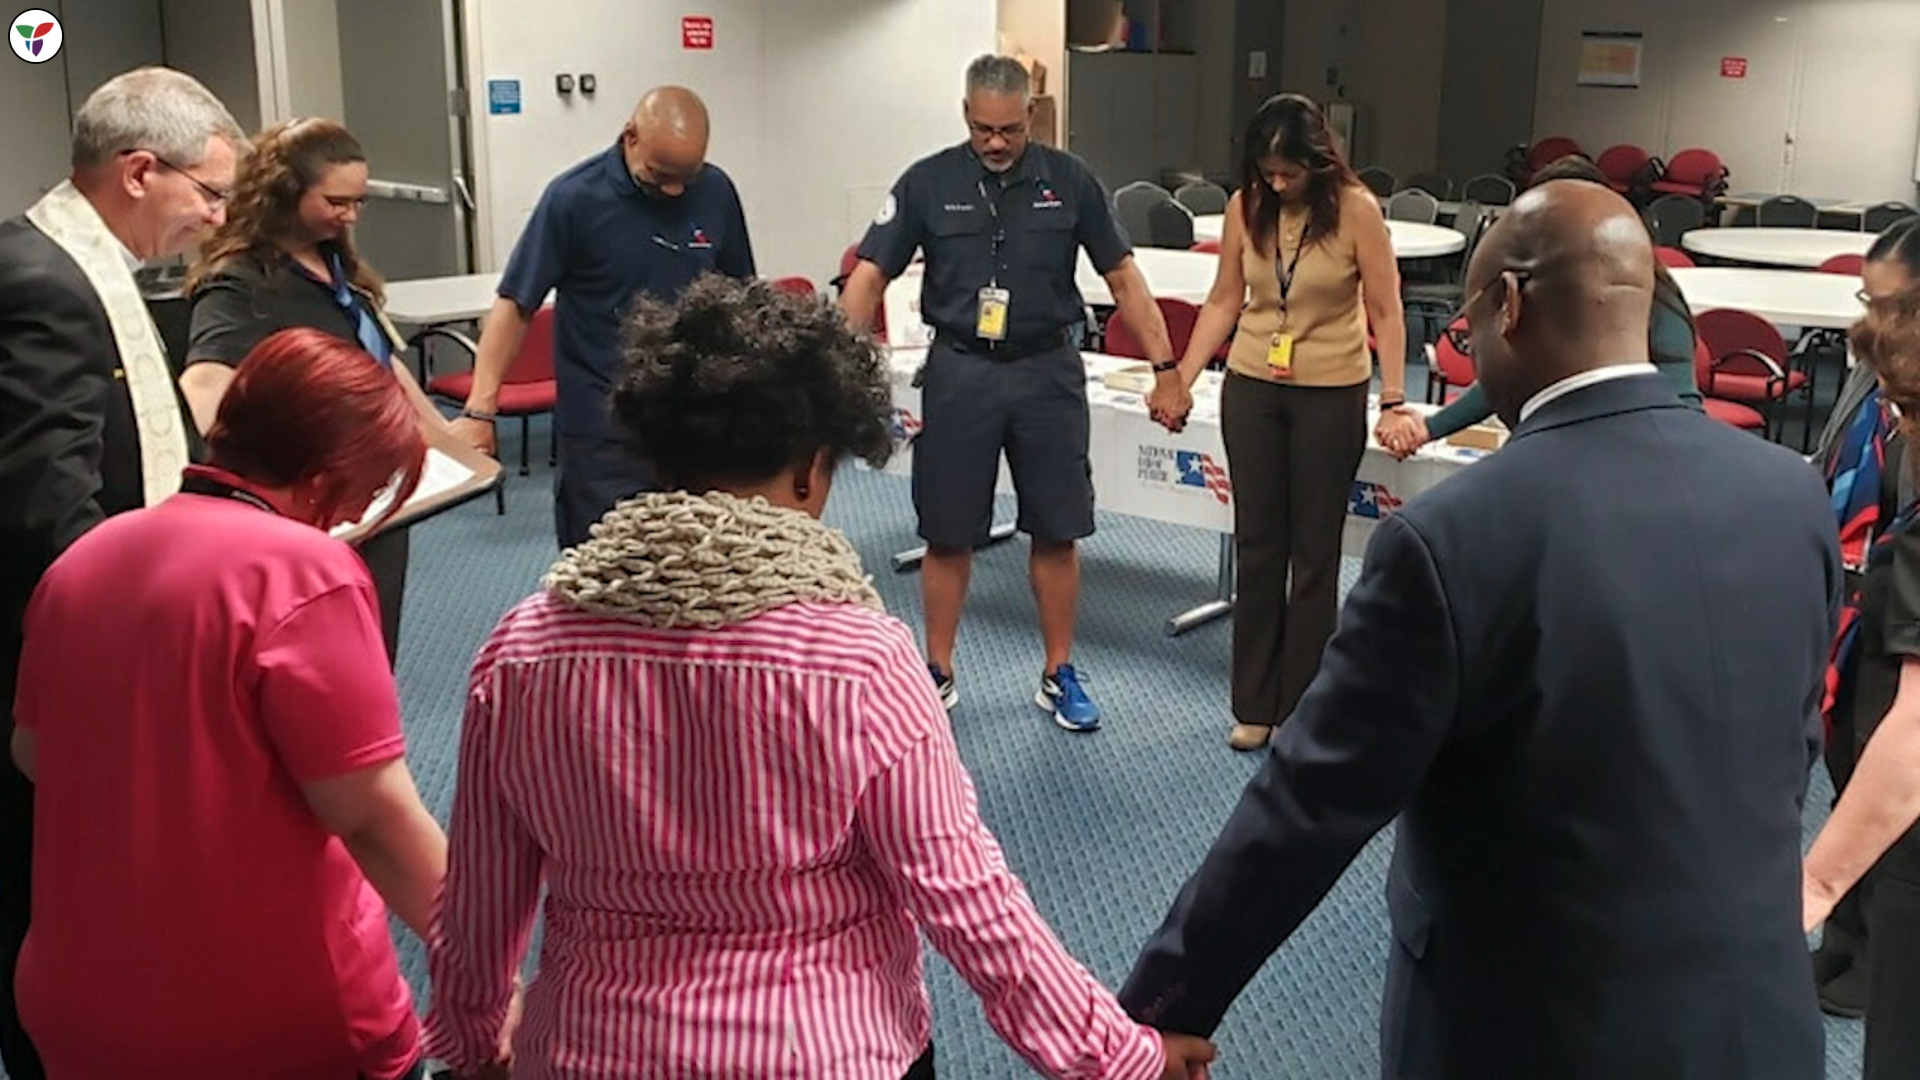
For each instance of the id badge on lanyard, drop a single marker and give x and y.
(1280, 346)
(990, 310)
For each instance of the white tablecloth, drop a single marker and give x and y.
(1411, 239)
(1141, 470)
(431, 301)
(1184, 275)
(1790, 298)
(1805, 248)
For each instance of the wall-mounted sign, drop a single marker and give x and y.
(696, 31)
(503, 96)
(1733, 67)
(1609, 58)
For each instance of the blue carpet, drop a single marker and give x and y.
(1103, 828)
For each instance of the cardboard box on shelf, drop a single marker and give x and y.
(1036, 73)
(1045, 128)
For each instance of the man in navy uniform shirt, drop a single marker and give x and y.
(1002, 223)
(647, 215)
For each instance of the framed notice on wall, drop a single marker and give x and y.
(1609, 58)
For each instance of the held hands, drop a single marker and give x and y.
(1187, 1056)
(1402, 431)
(1170, 401)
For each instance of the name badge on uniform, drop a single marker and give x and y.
(990, 323)
(1280, 356)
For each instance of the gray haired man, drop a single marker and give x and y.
(1001, 222)
(91, 423)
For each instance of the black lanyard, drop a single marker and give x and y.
(999, 230)
(196, 483)
(1279, 249)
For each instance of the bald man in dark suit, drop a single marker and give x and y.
(1586, 675)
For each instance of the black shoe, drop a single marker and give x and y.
(943, 686)
(1846, 994)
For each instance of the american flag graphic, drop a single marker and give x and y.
(1371, 500)
(904, 427)
(1201, 471)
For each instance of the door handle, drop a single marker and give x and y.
(466, 194)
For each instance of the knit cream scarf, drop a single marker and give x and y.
(674, 559)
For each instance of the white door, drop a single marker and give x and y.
(1859, 102)
(1733, 92)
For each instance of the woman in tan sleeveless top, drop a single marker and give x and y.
(1306, 263)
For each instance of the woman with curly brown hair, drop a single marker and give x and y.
(285, 258)
(726, 763)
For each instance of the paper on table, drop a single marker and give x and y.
(442, 474)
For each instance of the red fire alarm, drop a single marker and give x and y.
(696, 32)
(1733, 67)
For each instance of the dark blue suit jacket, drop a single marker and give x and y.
(1587, 673)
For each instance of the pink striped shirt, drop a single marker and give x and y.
(739, 830)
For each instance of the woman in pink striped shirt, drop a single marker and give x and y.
(726, 764)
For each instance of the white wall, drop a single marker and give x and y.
(817, 105)
(1037, 28)
(1840, 75)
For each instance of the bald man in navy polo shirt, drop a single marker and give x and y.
(647, 215)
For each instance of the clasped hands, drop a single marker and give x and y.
(1170, 400)
(1401, 431)
(1187, 1056)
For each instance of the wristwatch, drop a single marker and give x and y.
(1164, 366)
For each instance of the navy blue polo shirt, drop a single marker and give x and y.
(600, 241)
(1022, 230)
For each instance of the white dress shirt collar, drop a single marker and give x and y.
(1580, 382)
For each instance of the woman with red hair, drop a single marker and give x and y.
(223, 813)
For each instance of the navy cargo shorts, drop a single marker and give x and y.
(975, 406)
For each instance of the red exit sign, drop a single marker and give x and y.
(1733, 67)
(696, 32)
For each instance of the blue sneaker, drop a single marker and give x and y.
(1062, 695)
(943, 687)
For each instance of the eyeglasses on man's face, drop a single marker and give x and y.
(214, 196)
(1520, 279)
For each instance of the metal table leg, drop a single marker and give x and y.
(910, 558)
(1222, 602)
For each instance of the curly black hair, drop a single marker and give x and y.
(737, 381)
